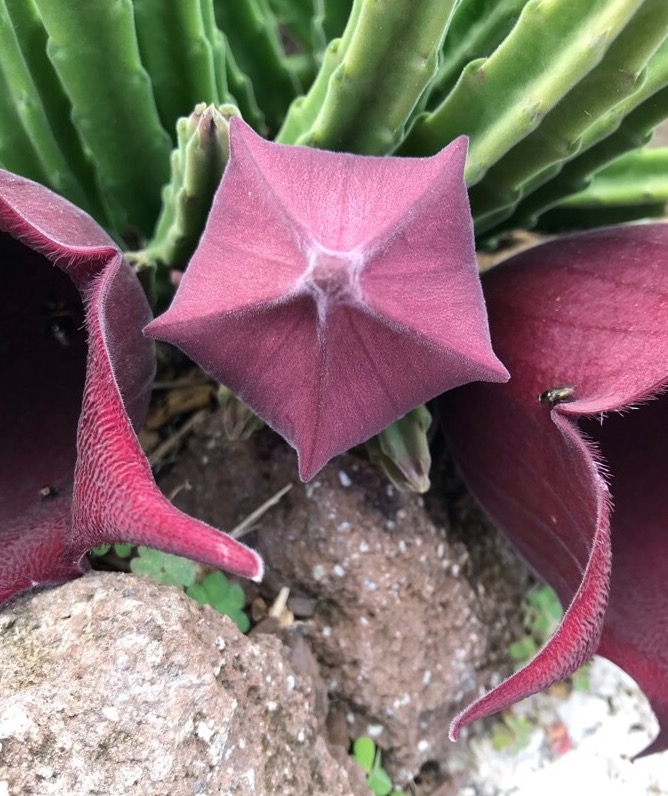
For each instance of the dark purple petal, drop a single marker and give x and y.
(589, 313)
(333, 293)
(76, 374)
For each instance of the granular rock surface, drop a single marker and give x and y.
(113, 684)
(409, 604)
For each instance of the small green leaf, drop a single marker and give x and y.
(364, 751)
(123, 550)
(524, 649)
(101, 550)
(379, 781)
(164, 567)
(227, 598)
(581, 679)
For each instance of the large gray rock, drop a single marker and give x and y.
(113, 684)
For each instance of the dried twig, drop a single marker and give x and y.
(171, 442)
(244, 526)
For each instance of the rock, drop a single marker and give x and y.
(411, 616)
(113, 684)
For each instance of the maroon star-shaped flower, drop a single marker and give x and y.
(570, 458)
(332, 292)
(76, 379)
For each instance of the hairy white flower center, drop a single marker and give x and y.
(332, 277)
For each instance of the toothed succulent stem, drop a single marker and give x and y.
(636, 178)
(402, 451)
(372, 78)
(553, 46)
(177, 50)
(626, 127)
(197, 165)
(476, 30)
(242, 90)
(560, 134)
(32, 115)
(297, 17)
(93, 48)
(31, 37)
(253, 37)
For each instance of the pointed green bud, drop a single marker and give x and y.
(239, 422)
(402, 450)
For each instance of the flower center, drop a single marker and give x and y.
(332, 277)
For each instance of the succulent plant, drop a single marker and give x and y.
(558, 100)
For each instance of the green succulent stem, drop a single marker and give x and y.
(32, 114)
(636, 178)
(499, 100)
(17, 152)
(197, 165)
(303, 111)
(626, 127)
(560, 134)
(373, 77)
(177, 48)
(331, 16)
(32, 39)
(242, 90)
(476, 30)
(219, 47)
(402, 451)
(93, 48)
(296, 16)
(253, 37)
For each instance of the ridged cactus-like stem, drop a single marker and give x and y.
(296, 16)
(476, 30)
(560, 134)
(499, 100)
(253, 37)
(93, 48)
(386, 58)
(219, 48)
(626, 127)
(32, 115)
(32, 38)
(178, 53)
(636, 178)
(197, 165)
(303, 111)
(241, 89)
(332, 16)
(16, 150)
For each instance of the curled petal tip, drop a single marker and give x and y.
(77, 376)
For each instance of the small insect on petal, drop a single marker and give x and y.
(557, 395)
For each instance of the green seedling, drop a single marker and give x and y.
(367, 754)
(164, 567)
(542, 615)
(511, 733)
(227, 598)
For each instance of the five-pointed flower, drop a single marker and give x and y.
(333, 293)
(76, 378)
(570, 458)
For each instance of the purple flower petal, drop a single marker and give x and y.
(76, 376)
(581, 321)
(333, 293)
